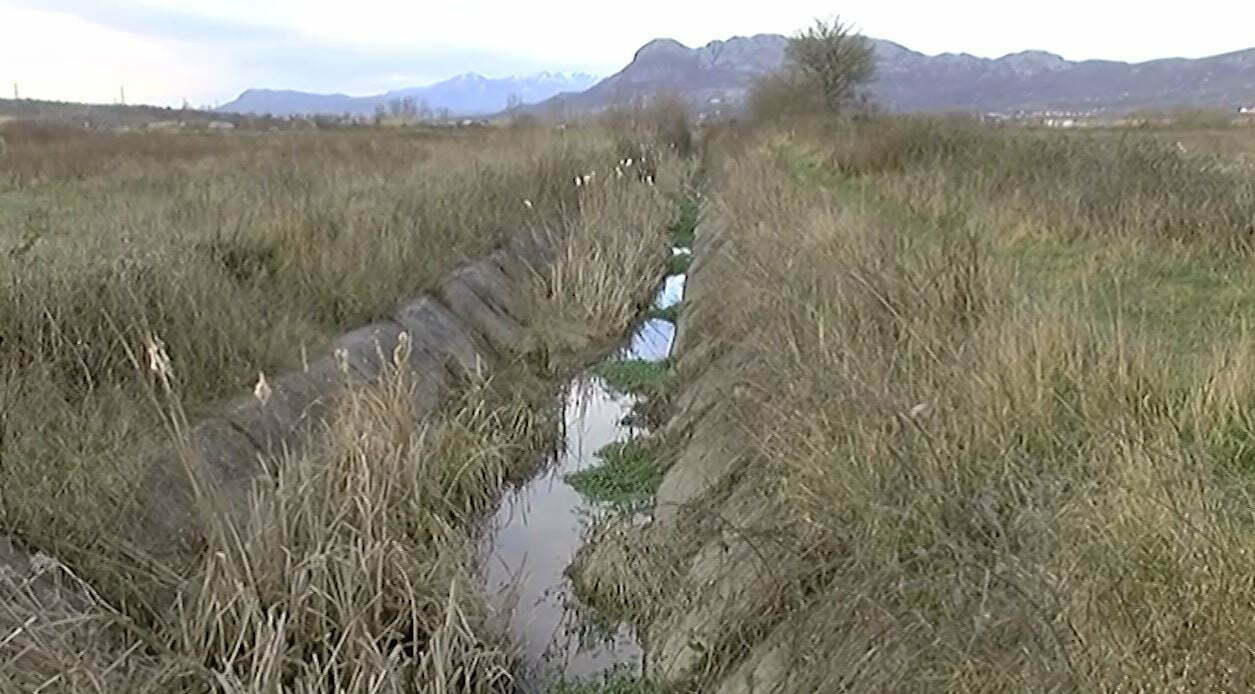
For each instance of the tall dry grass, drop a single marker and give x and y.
(246, 258)
(612, 254)
(999, 481)
(1100, 183)
(362, 573)
(362, 577)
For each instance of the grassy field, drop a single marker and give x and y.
(240, 254)
(246, 253)
(1001, 380)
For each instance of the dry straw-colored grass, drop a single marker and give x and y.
(364, 575)
(612, 256)
(363, 578)
(1009, 468)
(244, 256)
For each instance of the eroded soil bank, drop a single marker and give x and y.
(677, 576)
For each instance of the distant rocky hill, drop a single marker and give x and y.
(468, 94)
(716, 74)
(1035, 80)
(717, 77)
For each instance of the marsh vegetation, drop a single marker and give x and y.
(994, 387)
(991, 389)
(149, 276)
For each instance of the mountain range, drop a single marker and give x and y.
(1037, 80)
(717, 77)
(465, 95)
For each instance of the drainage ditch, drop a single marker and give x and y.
(535, 534)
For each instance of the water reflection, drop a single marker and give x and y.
(537, 531)
(672, 292)
(653, 341)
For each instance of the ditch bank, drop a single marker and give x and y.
(481, 318)
(698, 578)
(475, 319)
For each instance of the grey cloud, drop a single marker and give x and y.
(156, 22)
(306, 64)
(255, 55)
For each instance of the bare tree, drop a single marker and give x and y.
(424, 111)
(405, 110)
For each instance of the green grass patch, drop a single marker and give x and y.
(670, 314)
(679, 263)
(627, 478)
(613, 681)
(634, 376)
(684, 228)
(1185, 294)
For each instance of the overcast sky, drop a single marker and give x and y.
(207, 51)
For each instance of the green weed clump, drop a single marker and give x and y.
(615, 681)
(650, 383)
(634, 376)
(679, 263)
(626, 478)
(684, 227)
(671, 314)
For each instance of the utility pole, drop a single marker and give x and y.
(16, 97)
(122, 95)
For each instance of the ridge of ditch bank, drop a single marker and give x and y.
(697, 578)
(474, 318)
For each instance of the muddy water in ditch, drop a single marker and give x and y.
(536, 532)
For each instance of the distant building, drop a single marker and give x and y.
(1247, 110)
(221, 125)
